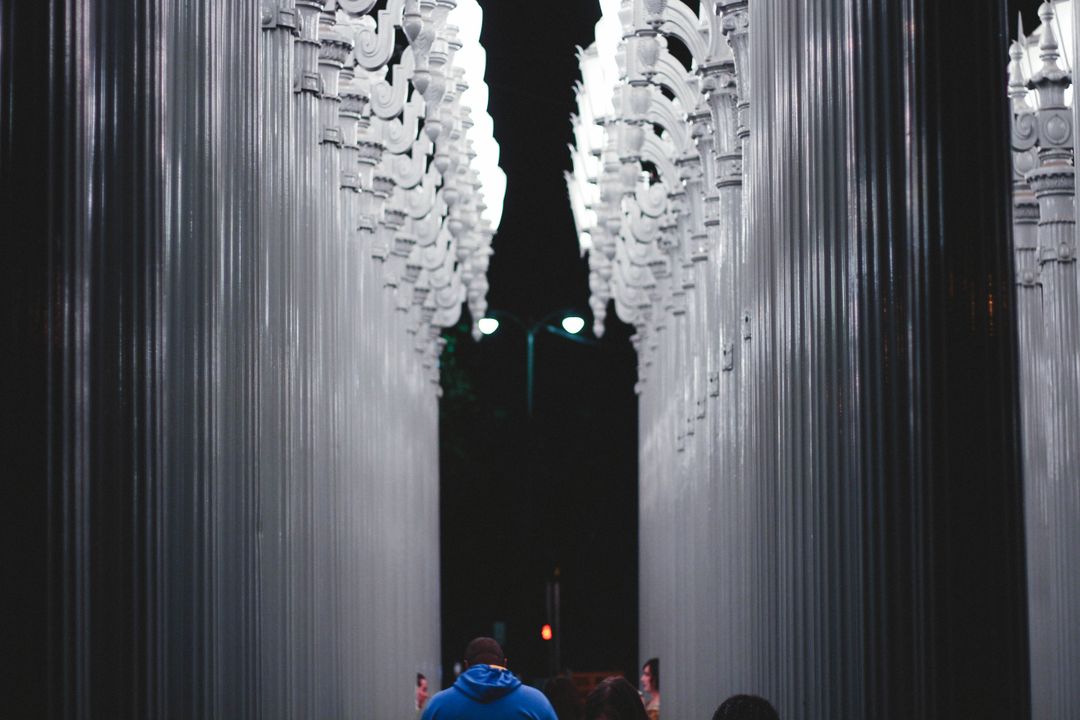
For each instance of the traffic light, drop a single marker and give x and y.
(545, 632)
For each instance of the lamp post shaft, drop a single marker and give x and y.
(557, 624)
(530, 339)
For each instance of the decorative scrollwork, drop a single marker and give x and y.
(375, 41)
(356, 7)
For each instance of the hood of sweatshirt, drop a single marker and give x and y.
(487, 683)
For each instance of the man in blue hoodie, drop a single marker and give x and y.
(488, 691)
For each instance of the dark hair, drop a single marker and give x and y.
(654, 670)
(564, 697)
(484, 651)
(614, 699)
(419, 677)
(745, 707)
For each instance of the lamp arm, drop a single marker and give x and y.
(504, 315)
(575, 338)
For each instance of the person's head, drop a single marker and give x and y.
(745, 707)
(614, 699)
(421, 691)
(484, 651)
(564, 697)
(650, 676)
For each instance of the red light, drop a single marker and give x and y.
(545, 632)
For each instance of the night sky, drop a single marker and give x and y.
(1029, 8)
(523, 497)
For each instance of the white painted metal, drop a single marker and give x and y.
(264, 216)
(745, 214)
(1044, 236)
(385, 243)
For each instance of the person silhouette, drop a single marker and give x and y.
(487, 690)
(746, 707)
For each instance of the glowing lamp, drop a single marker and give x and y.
(573, 324)
(488, 325)
(545, 632)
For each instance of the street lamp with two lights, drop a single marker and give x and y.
(569, 328)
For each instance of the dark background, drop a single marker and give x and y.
(522, 497)
(1030, 9)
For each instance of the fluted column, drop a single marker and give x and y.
(301, 362)
(732, 613)
(1054, 513)
(276, 212)
(349, 565)
(1034, 390)
(898, 560)
(1054, 509)
(754, 542)
(1044, 242)
(868, 544)
(231, 438)
(326, 249)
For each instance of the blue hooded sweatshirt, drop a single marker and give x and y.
(489, 692)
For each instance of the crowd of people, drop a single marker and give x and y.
(487, 690)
